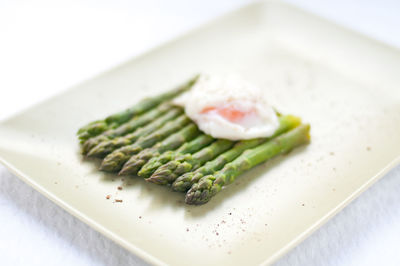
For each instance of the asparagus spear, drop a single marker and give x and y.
(195, 145)
(202, 191)
(92, 129)
(185, 181)
(115, 120)
(108, 146)
(167, 173)
(115, 160)
(126, 128)
(189, 147)
(133, 165)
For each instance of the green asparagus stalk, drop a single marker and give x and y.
(209, 185)
(197, 144)
(106, 147)
(92, 129)
(133, 165)
(115, 160)
(167, 173)
(126, 128)
(185, 181)
(95, 128)
(189, 147)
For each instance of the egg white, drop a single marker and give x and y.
(229, 92)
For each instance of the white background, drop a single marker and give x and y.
(47, 46)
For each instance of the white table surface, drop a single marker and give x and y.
(47, 46)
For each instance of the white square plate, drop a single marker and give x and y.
(344, 84)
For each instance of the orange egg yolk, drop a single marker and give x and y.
(228, 113)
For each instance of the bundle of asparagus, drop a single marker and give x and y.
(155, 140)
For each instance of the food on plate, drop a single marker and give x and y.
(208, 186)
(197, 138)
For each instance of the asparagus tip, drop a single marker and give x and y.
(92, 152)
(124, 171)
(108, 166)
(184, 182)
(159, 178)
(95, 152)
(197, 197)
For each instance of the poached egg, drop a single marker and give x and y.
(229, 107)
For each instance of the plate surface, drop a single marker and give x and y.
(344, 84)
